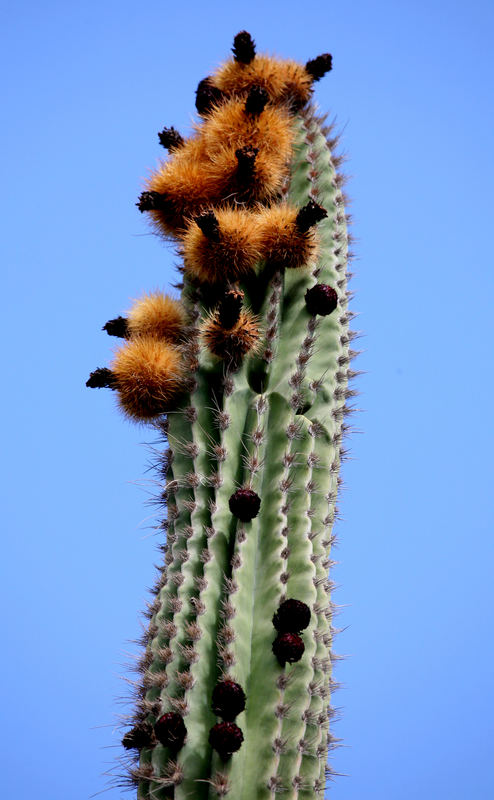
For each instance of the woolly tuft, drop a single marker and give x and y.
(184, 186)
(231, 344)
(198, 177)
(228, 182)
(282, 243)
(271, 131)
(286, 81)
(150, 376)
(205, 169)
(233, 256)
(157, 315)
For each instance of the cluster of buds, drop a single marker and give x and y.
(149, 371)
(220, 196)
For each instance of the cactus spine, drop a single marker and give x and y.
(247, 379)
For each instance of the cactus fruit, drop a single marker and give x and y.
(246, 378)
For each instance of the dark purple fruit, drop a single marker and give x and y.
(101, 378)
(256, 100)
(310, 215)
(170, 730)
(292, 616)
(207, 96)
(170, 139)
(226, 738)
(140, 736)
(244, 48)
(117, 327)
(288, 647)
(228, 699)
(318, 67)
(245, 504)
(209, 225)
(321, 299)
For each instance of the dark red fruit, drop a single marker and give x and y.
(226, 738)
(310, 215)
(101, 378)
(170, 730)
(244, 48)
(207, 96)
(170, 138)
(246, 157)
(321, 299)
(256, 100)
(318, 67)
(209, 225)
(292, 616)
(228, 699)
(117, 327)
(152, 201)
(245, 504)
(288, 647)
(140, 736)
(229, 308)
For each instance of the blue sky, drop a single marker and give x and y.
(88, 87)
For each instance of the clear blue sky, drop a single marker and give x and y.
(88, 86)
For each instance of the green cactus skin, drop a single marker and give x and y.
(275, 423)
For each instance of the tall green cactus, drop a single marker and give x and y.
(247, 378)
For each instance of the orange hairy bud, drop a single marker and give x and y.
(157, 315)
(221, 246)
(231, 343)
(231, 135)
(179, 188)
(271, 131)
(150, 375)
(283, 243)
(284, 80)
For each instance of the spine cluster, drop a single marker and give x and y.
(246, 376)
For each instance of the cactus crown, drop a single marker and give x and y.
(246, 375)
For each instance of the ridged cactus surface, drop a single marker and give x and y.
(246, 376)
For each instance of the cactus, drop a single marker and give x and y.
(246, 378)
